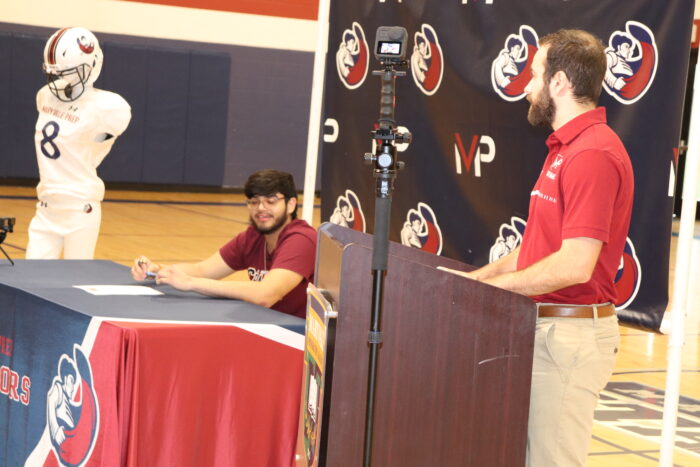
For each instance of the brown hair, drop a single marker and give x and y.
(270, 182)
(581, 56)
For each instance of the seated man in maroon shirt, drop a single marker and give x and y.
(278, 251)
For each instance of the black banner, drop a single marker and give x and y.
(474, 158)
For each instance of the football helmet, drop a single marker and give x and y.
(72, 62)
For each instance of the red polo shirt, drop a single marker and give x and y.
(585, 189)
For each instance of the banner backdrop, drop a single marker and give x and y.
(474, 158)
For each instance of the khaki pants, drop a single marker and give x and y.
(573, 361)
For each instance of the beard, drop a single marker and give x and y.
(542, 110)
(279, 222)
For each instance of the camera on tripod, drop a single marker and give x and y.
(7, 224)
(390, 45)
(390, 50)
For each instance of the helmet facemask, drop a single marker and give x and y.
(68, 85)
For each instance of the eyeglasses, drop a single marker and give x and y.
(267, 201)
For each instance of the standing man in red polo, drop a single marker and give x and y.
(580, 210)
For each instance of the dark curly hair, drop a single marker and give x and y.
(270, 182)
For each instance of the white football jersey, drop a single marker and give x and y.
(70, 141)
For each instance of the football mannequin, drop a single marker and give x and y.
(75, 130)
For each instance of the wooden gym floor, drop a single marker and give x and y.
(177, 227)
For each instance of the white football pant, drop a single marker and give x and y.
(72, 230)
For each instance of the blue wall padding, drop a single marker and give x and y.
(124, 72)
(206, 119)
(165, 122)
(22, 73)
(5, 59)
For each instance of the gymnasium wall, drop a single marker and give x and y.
(218, 88)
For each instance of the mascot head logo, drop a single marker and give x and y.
(632, 58)
(510, 71)
(72, 411)
(427, 62)
(86, 46)
(348, 212)
(629, 276)
(421, 230)
(510, 236)
(352, 57)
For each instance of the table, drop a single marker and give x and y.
(176, 379)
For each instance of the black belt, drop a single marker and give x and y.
(573, 311)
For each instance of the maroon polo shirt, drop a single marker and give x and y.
(295, 251)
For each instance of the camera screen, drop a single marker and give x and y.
(389, 48)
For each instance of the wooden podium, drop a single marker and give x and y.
(454, 368)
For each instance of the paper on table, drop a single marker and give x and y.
(118, 290)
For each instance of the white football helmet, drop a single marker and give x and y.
(72, 62)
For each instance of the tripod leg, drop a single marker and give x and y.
(6, 255)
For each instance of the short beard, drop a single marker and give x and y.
(280, 222)
(541, 112)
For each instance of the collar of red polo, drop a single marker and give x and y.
(574, 127)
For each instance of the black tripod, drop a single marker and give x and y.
(7, 224)
(385, 167)
(3, 234)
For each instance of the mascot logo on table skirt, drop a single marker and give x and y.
(510, 71)
(629, 276)
(632, 58)
(348, 212)
(72, 411)
(427, 62)
(421, 230)
(352, 57)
